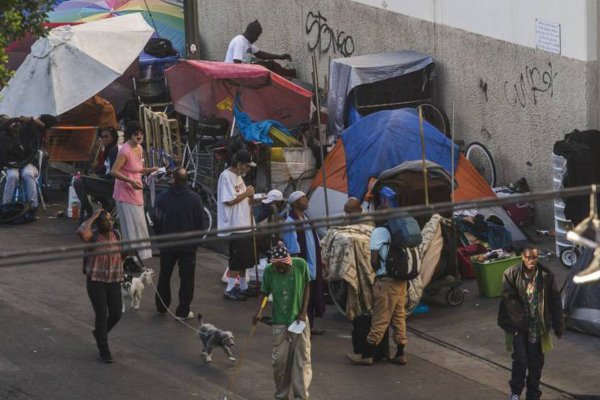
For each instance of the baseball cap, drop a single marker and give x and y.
(244, 157)
(295, 196)
(273, 195)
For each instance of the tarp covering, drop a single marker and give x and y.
(93, 112)
(198, 87)
(582, 303)
(386, 139)
(347, 73)
(374, 146)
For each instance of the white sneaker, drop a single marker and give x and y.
(189, 316)
(513, 397)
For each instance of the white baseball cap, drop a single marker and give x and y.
(273, 195)
(295, 196)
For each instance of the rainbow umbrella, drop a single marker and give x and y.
(165, 16)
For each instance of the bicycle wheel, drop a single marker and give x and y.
(483, 162)
(208, 221)
(436, 116)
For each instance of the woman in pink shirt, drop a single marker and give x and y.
(128, 193)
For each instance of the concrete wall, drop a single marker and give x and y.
(512, 21)
(532, 98)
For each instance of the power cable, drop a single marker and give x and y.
(29, 256)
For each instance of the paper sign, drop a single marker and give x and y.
(547, 36)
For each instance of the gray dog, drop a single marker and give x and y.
(211, 336)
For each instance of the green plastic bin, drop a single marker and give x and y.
(489, 275)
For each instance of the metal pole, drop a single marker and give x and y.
(423, 156)
(322, 139)
(192, 33)
(452, 151)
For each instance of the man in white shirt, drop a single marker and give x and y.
(242, 46)
(234, 211)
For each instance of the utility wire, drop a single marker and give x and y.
(32, 256)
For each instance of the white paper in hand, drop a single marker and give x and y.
(297, 327)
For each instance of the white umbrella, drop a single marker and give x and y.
(72, 64)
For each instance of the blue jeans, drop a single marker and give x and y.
(29, 173)
(528, 361)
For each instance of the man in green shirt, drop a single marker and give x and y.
(287, 279)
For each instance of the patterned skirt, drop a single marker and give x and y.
(132, 221)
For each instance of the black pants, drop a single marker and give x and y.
(107, 302)
(528, 361)
(96, 186)
(187, 267)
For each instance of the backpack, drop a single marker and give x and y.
(402, 264)
(160, 48)
(405, 231)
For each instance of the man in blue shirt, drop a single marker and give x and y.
(304, 242)
(389, 301)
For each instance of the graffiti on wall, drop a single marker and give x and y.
(325, 38)
(531, 83)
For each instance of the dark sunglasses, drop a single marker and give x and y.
(138, 133)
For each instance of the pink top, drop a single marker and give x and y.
(132, 168)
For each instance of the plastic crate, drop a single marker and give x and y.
(489, 275)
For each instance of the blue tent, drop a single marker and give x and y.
(386, 139)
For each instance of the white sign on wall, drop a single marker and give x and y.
(547, 36)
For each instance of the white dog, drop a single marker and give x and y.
(133, 288)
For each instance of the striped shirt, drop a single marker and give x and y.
(106, 268)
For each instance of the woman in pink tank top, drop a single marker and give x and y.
(128, 193)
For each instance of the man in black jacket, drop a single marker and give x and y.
(101, 183)
(177, 210)
(530, 306)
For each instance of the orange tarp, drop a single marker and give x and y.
(335, 168)
(471, 185)
(94, 112)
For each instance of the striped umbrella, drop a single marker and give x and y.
(166, 16)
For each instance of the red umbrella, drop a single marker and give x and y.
(197, 87)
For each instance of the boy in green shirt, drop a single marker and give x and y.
(287, 279)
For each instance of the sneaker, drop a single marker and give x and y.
(317, 331)
(399, 359)
(106, 357)
(357, 359)
(233, 295)
(513, 397)
(189, 316)
(160, 313)
(248, 292)
(592, 273)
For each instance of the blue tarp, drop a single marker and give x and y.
(256, 131)
(386, 139)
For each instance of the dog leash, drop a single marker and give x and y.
(169, 311)
(236, 371)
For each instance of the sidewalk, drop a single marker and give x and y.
(47, 351)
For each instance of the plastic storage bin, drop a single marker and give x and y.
(489, 275)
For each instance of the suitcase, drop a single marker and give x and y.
(360, 329)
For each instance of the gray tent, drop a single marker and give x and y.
(348, 73)
(582, 303)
